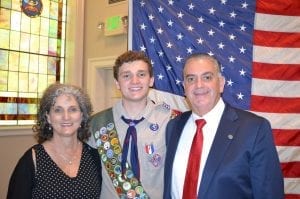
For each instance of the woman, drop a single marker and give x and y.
(61, 165)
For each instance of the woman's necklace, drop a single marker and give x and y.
(68, 161)
(71, 160)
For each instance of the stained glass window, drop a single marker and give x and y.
(32, 55)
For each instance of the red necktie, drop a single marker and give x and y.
(192, 170)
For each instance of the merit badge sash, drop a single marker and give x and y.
(110, 151)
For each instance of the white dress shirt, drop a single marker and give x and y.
(209, 130)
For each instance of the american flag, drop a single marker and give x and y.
(258, 45)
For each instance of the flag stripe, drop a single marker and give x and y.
(292, 196)
(286, 137)
(288, 153)
(279, 7)
(275, 104)
(276, 71)
(274, 23)
(276, 55)
(291, 169)
(292, 186)
(282, 121)
(276, 39)
(275, 88)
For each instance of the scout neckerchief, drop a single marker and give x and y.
(110, 150)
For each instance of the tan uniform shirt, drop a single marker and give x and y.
(151, 148)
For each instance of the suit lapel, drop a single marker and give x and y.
(225, 132)
(174, 138)
(172, 143)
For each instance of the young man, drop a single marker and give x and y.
(238, 158)
(130, 136)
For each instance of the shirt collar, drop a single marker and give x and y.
(214, 114)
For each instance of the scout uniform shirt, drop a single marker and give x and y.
(151, 146)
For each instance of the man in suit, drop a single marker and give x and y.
(238, 159)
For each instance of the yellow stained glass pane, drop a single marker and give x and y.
(15, 20)
(58, 50)
(34, 44)
(24, 62)
(14, 61)
(53, 46)
(42, 82)
(3, 59)
(3, 80)
(43, 63)
(51, 79)
(13, 81)
(53, 28)
(53, 10)
(35, 25)
(46, 6)
(33, 63)
(25, 42)
(43, 45)
(4, 18)
(33, 82)
(25, 23)
(16, 5)
(23, 82)
(45, 27)
(15, 40)
(4, 38)
(5, 3)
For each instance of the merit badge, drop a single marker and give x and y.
(131, 193)
(115, 182)
(110, 126)
(117, 169)
(126, 186)
(98, 143)
(106, 145)
(97, 134)
(109, 153)
(103, 130)
(154, 127)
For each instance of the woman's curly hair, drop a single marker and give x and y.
(43, 129)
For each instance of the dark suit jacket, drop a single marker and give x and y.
(244, 167)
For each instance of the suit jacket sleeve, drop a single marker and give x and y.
(266, 175)
(22, 179)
